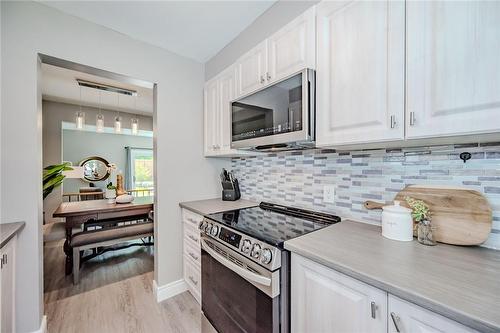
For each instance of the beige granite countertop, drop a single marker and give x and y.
(8, 230)
(211, 206)
(461, 283)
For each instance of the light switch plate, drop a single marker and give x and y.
(329, 193)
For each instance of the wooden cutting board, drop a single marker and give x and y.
(461, 216)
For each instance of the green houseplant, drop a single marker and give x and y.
(422, 215)
(53, 177)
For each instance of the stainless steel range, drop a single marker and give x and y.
(245, 269)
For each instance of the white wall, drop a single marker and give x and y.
(29, 28)
(272, 20)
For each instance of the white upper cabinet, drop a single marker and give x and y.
(293, 47)
(323, 300)
(251, 69)
(360, 72)
(211, 113)
(453, 68)
(227, 87)
(410, 318)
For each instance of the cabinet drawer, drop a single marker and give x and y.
(192, 234)
(192, 276)
(191, 218)
(192, 252)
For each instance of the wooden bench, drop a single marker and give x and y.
(104, 238)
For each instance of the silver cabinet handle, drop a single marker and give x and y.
(192, 221)
(193, 238)
(193, 280)
(193, 256)
(268, 76)
(395, 320)
(393, 121)
(374, 309)
(5, 259)
(412, 118)
(262, 80)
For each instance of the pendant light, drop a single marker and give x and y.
(80, 116)
(118, 119)
(99, 121)
(134, 121)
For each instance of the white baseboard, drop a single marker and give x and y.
(169, 290)
(43, 326)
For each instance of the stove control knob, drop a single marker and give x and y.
(214, 231)
(208, 228)
(266, 257)
(202, 225)
(255, 251)
(246, 246)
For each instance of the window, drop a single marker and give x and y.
(139, 168)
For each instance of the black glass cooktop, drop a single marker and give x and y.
(274, 224)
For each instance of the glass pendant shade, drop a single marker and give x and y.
(118, 124)
(80, 120)
(99, 123)
(135, 126)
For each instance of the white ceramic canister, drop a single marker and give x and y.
(397, 223)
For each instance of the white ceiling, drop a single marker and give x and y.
(194, 29)
(59, 85)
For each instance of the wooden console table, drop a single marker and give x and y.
(80, 212)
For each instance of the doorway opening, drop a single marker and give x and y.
(99, 179)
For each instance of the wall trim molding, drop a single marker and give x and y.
(169, 290)
(43, 326)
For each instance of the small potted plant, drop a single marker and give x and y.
(110, 193)
(422, 215)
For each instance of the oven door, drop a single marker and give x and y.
(237, 294)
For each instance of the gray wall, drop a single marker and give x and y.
(264, 26)
(30, 27)
(78, 145)
(53, 114)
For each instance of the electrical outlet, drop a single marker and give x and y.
(329, 193)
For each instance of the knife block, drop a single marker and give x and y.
(232, 192)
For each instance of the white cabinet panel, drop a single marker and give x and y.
(227, 87)
(7, 283)
(360, 72)
(251, 69)
(293, 47)
(211, 113)
(453, 68)
(410, 318)
(323, 300)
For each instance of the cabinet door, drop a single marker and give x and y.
(453, 68)
(360, 72)
(211, 118)
(293, 47)
(323, 300)
(7, 281)
(411, 318)
(227, 87)
(251, 69)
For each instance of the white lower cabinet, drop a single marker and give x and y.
(323, 300)
(7, 283)
(410, 318)
(192, 252)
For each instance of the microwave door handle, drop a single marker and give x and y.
(235, 268)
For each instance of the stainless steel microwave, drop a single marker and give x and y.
(278, 117)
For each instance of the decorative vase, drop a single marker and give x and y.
(425, 231)
(119, 185)
(110, 194)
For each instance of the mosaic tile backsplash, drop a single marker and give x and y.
(297, 178)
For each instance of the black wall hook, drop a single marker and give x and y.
(465, 156)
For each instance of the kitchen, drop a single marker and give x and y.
(359, 144)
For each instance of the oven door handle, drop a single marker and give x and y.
(235, 268)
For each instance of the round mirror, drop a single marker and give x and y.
(95, 169)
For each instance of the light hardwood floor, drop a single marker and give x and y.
(114, 295)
